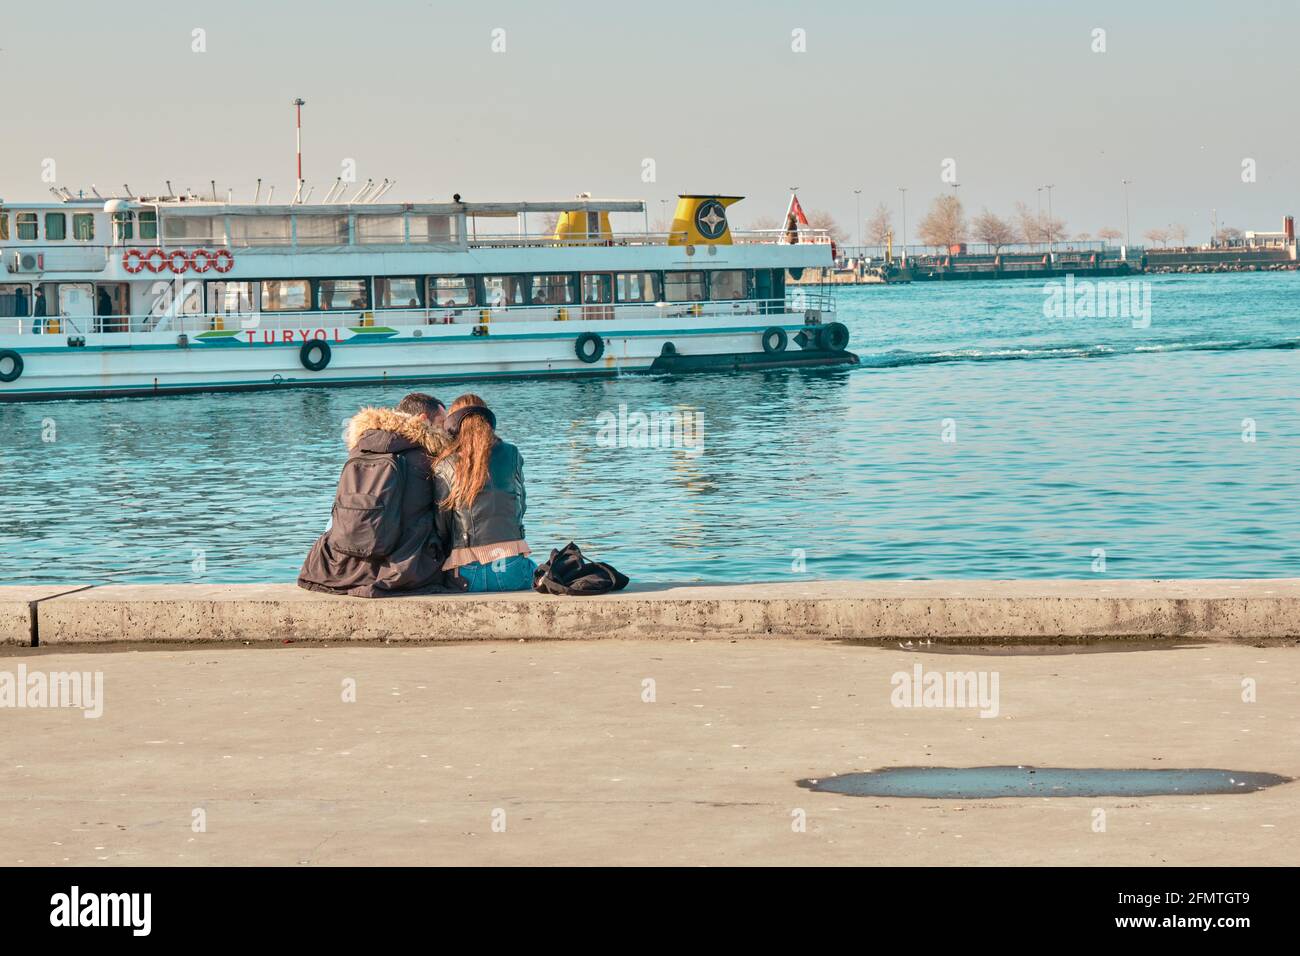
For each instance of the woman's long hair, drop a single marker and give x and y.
(472, 448)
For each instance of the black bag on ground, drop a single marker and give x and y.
(367, 521)
(568, 572)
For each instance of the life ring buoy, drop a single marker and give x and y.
(149, 260)
(133, 261)
(16, 365)
(775, 340)
(194, 261)
(315, 364)
(184, 261)
(223, 261)
(833, 337)
(589, 347)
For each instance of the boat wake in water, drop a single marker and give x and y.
(902, 358)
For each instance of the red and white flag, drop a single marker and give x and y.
(794, 218)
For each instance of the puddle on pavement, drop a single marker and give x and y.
(973, 783)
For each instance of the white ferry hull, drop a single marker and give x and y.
(156, 363)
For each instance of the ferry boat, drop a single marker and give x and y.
(131, 295)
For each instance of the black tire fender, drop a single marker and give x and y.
(16, 371)
(775, 340)
(317, 364)
(833, 337)
(589, 347)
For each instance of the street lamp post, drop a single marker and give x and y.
(903, 190)
(857, 193)
(1051, 223)
(1128, 237)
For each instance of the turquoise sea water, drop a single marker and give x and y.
(1071, 435)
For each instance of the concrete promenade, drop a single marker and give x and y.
(958, 611)
(562, 752)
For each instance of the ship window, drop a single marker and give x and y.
(397, 293)
(637, 286)
(148, 225)
(232, 298)
(56, 227)
(4, 226)
(381, 229)
(322, 230)
(683, 286)
(183, 228)
(553, 290)
(433, 229)
(450, 291)
(502, 291)
(286, 295)
(342, 294)
(27, 225)
(597, 289)
(15, 300)
(728, 284)
(124, 226)
(258, 230)
(83, 226)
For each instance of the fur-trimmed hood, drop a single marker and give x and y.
(418, 432)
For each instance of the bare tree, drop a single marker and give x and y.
(820, 219)
(1110, 234)
(945, 223)
(1178, 235)
(1083, 236)
(1229, 234)
(1029, 224)
(994, 230)
(1038, 226)
(880, 225)
(1160, 236)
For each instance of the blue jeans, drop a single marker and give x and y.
(514, 573)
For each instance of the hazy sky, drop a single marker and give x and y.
(711, 90)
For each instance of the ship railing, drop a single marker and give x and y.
(803, 300)
(738, 237)
(324, 323)
(547, 240)
(780, 237)
(54, 324)
(104, 253)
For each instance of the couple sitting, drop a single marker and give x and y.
(430, 500)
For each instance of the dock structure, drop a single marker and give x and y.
(876, 265)
(959, 612)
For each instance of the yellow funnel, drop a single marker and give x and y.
(702, 221)
(578, 225)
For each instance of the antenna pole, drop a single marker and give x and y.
(298, 104)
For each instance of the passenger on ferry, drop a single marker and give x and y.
(103, 303)
(479, 486)
(39, 312)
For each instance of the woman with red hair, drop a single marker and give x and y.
(479, 487)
